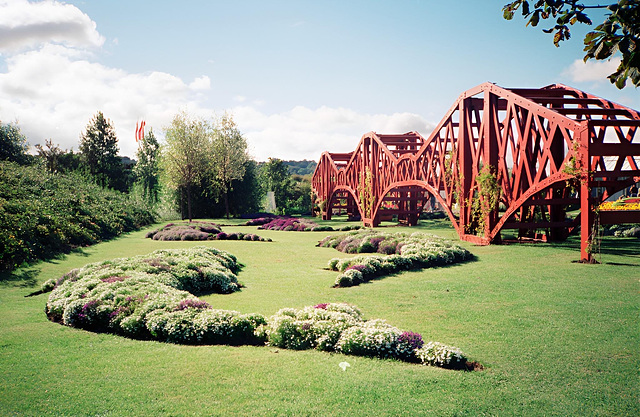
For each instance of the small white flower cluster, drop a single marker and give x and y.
(339, 327)
(438, 354)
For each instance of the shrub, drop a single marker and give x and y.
(405, 251)
(143, 297)
(199, 230)
(438, 354)
(44, 214)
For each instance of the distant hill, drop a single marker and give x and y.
(301, 167)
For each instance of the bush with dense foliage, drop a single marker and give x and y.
(44, 214)
(398, 252)
(338, 327)
(152, 297)
(199, 230)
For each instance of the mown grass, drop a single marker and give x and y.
(556, 338)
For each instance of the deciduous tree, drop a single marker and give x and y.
(186, 156)
(147, 168)
(13, 144)
(229, 155)
(620, 31)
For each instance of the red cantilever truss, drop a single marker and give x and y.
(499, 159)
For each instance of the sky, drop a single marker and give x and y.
(298, 77)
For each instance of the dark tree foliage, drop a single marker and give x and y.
(303, 167)
(246, 194)
(99, 149)
(620, 31)
(13, 144)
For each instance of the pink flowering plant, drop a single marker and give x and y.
(152, 297)
(395, 252)
(293, 224)
(199, 230)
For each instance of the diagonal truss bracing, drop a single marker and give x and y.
(500, 159)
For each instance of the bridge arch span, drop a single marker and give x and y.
(537, 151)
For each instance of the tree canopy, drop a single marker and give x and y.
(146, 169)
(619, 33)
(13, 144)
(99, 150)
(186, 154)
(229, 155)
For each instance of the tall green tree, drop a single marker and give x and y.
(147, 170)
(277, 179)
(13, 144)
(229, 155)
(186, 156)
(246, 194)
(619, 33)
(99, 151)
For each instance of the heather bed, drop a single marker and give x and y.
(554, 336)
(200, 230)
(399, 251)
(150, 297)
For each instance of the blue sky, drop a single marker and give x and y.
(299, 77)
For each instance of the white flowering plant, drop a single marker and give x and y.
(396, 252)
(144, 298)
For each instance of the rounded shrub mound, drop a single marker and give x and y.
(293, 224)
(151, 297)
(394, 252)
(200, 231)
(341, 328)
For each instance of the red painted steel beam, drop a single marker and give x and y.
(525, 134)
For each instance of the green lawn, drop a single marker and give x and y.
(556, 338)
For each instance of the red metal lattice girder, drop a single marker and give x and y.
(527, 135)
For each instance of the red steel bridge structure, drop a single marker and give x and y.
(501, 158)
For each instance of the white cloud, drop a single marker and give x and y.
(200, 83)
(581, 71)
(53, 92)
(304, 133)
(24, 24)
(52, 89)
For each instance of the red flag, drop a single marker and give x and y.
(142, 124)
(137, 131)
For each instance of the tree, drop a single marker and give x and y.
(247, 193)
(99, 150)
(229, 155)
(620, 31)
(277, 179)
(13, 144)
(186, 154)
(146, 169)
(51, 154)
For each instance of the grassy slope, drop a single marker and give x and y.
(557, 338)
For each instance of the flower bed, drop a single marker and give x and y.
(398, 252)
(151, 297)
(293, 224)
(338, 327)
(623, 204)
(200, 231)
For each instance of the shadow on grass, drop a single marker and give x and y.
(23, 277)
(609, 245)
